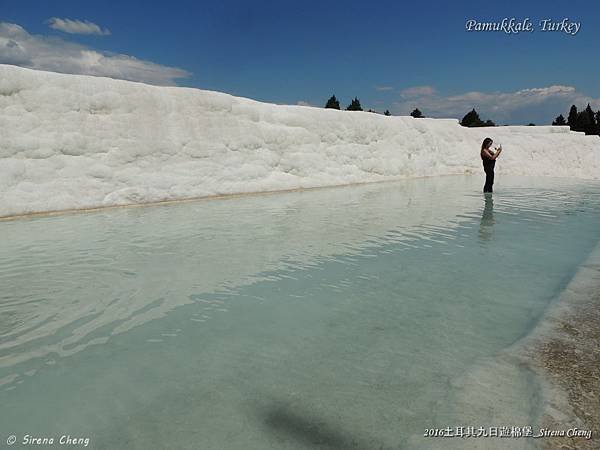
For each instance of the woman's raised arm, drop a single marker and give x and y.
(488, 154)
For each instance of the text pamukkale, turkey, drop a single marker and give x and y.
(515, 26)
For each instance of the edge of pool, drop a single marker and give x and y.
(209, 197)
(563, 351)
(225, 196)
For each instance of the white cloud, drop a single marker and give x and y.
(55, 54)
(76, 26)
(384, 88)
(417, 91)
(537, 105)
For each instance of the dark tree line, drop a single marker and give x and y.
(355, 105)
(472, 118)
(586, 121)
(334, 103)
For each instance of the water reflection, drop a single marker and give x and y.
(486, 225)
(76, 280)
(337, 318)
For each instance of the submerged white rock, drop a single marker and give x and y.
(76, 141)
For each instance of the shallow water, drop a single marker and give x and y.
(352, 317)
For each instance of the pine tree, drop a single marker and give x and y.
(559, 121)
(333, 103)
(355, 105)
(582, 122)
(590, 125)
(598, 122)
(387, 113)
(417, 114)
(489, 123)
(572, 118)
(472, 119)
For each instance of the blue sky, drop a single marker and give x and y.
(390, 54)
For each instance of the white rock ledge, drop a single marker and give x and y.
(76, 141)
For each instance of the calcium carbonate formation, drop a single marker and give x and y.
(75, 141)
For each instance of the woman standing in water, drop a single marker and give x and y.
(489, 161)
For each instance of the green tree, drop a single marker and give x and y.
(387, 113)
(417, 114)
(333, 103)
(598, 122)
(489, 123)
(531, 124)
(582, 123)
(472, 119)
(559, 121)
(355, 105)
(590, 122)
(572, 118)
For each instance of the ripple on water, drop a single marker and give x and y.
(354, 295)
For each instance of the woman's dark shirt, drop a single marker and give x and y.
(484, 157)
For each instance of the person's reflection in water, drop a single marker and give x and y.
(486, 226)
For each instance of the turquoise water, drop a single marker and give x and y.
(352, 317)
